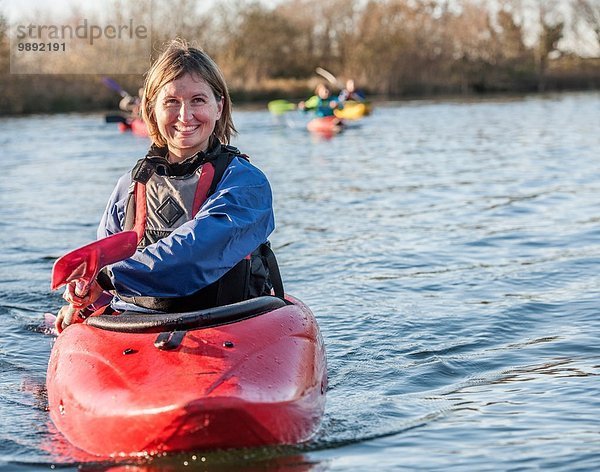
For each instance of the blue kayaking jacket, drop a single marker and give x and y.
(323, 107)
(232, 223)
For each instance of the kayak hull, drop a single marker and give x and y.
(136, 126)
(353, 110)
(254, 382)
(325, 124)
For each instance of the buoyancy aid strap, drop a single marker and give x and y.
(274, 273)
(135, 210)
(204, 184)
(211, 175)
(140, 211)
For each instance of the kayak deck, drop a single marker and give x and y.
(248, 383)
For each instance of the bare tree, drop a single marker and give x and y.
(325, 28)
(552, 31)
(589, 12)
(391, 47)
(260, 44)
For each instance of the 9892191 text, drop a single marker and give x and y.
(41, 47)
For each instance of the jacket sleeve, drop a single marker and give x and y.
(233, 222)
(114, 215)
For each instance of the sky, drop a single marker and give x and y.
(56, 8)
(61, 6)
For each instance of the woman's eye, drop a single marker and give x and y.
(198, 101)
(169, 102)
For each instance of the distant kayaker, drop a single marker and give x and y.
(322, 103)
(350, 92)
(202, 211)
(132, 104)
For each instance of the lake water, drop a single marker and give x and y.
(450, 251)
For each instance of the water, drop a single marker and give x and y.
(450, 251)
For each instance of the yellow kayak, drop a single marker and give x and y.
(354, 110)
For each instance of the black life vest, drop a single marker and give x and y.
(255, 275)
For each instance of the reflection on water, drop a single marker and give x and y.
(449, 250)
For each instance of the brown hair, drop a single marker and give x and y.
(178, 59)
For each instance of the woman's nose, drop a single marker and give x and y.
(185, 112)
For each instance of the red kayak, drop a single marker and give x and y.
(248, 374)
(135, 125)
(325, 125)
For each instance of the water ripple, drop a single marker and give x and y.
(450, 251)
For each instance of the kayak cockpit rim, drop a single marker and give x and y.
(133, 322)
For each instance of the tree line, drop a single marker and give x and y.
(391, 48)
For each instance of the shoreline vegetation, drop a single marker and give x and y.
(393, 49)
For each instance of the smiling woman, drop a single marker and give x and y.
(236, 350)
(201, 211)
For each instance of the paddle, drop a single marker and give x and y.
(280, 106)
(332, 79)
(110, 83)
(83, 264)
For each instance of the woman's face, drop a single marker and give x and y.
(186, 111)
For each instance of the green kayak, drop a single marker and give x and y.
(279, 107)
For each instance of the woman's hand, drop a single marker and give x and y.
(80, 302)
(70, 313)
(65, 317)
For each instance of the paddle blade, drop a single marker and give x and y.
(279, 107)
(332, 79)
(84, 263)
(110, 83)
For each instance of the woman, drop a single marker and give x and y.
(201, 210)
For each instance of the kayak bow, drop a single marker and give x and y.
(249, 374)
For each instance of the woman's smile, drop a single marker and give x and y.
(186, 129)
